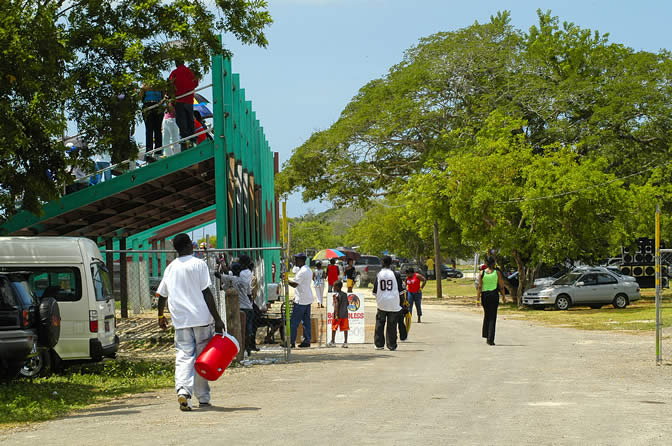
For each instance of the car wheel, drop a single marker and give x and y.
(562, 302)
(39, 365)
(620, 301)
(595, 307)
(460, 275)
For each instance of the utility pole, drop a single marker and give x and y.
(437, 261)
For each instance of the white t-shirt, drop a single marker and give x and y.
(303, 294)
(183, 283)
(387, 291)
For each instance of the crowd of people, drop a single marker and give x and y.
(169, 117)
(186, 282)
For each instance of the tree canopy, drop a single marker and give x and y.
(546, 145)
(84, 61)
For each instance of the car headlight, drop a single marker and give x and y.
(545, 293)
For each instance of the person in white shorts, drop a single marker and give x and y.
(186, 287)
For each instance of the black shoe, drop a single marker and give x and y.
(491, 343)
(304, 345)
(293, 346)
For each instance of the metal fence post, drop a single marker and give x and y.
(659, 324)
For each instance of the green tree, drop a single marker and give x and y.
(384, 227)
(311, 233)
(510, 140)
(84, 61)
(506, 195)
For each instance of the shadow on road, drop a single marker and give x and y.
(225, 409)
(101, 413)
(355, 356)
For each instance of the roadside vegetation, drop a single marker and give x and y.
(26, 401)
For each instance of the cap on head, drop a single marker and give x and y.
(300, 256)
(387, 261)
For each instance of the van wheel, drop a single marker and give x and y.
(620, 301)
(39, 365)
(562, 302)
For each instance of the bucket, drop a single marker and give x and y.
(216, 356)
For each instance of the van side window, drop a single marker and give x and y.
(60, 282)
(101, 282)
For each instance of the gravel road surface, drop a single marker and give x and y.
(538, 385)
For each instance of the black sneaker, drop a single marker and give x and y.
(304, 345)
(204, 404)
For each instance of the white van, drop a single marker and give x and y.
(72, 270)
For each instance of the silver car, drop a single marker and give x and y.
(593, 287)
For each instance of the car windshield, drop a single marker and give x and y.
(568, 279)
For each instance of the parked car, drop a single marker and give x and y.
(416, 267)
(72, 271)
(367, 268)
(447, 271)
(593, 287)
(28, 325)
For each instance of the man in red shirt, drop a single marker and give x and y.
(332, 274)
(184, 82)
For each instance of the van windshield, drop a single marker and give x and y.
(101, 282)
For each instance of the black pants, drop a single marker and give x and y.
(389, 333)
(403, 333)
(153, 121)
(184, 117)
(490, 302)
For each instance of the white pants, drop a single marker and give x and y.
(171, 133)
(189, 343)
(319, 293)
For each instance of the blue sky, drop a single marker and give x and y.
(322, 51)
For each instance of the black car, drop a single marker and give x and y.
(27, 325)
(447, 271)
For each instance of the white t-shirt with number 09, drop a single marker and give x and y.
(183, 283)
(387, 291)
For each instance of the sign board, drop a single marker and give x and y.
(356, 319)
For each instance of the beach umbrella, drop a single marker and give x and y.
(349, 253)
(328, 254)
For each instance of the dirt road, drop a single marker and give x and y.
(539, 385)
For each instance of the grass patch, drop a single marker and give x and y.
(638, 316)
(23, 401)
(451, 288)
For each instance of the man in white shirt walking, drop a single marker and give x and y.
(386, 289)
(303, 299)
(186, 287)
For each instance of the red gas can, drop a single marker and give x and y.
(216, 356)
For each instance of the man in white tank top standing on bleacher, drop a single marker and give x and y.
(386, 289)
